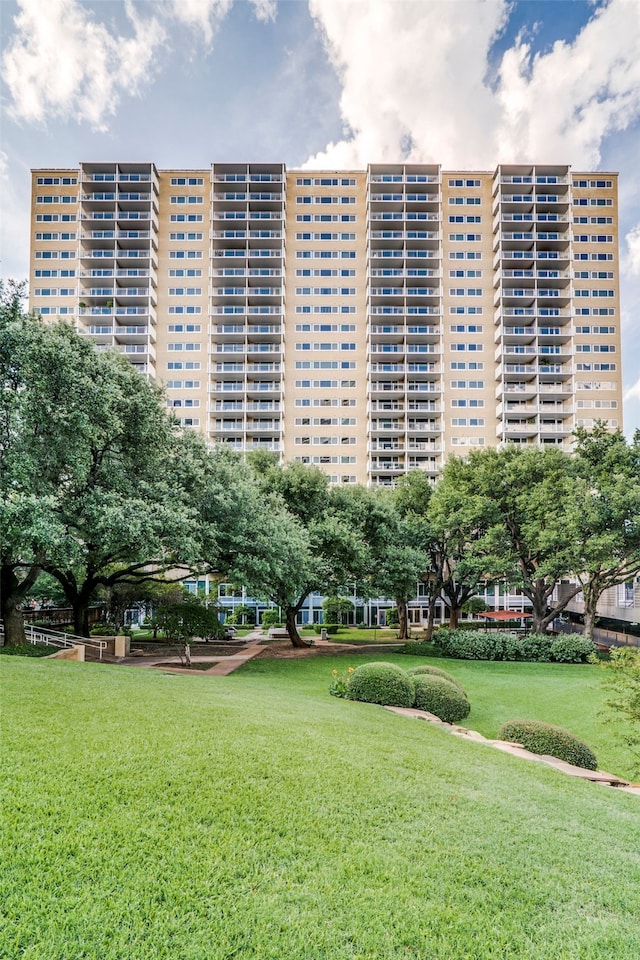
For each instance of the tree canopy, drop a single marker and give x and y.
(99, 487)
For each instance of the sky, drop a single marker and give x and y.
(325, 83)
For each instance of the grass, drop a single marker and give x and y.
(356, 635)
(567, 695)
(256, 817)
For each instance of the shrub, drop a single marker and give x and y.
(270, 618)
(533, 646)
(435, 672)
(392, 617)
(477, 625)
(622, 678)
(382, 682)
(103, 630)
(543, 738)
(572, 648)
(419, 648)
(335, 609)
(539, 647)
(439, 696)
(471, 644)
(26, 650)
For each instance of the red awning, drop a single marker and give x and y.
(504, 615)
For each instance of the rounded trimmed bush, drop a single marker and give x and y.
(543, 738)
(572, 648)
(382, 682)
(436, 672)
(439, 696)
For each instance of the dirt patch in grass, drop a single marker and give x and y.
(283, 650)
(183, 666)
(199, 649)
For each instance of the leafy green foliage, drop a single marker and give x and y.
(330, 628)
(392, 616)
(622, 678)
(441, 697)
(340, 683)
(548, 740)
(471, 644)
(383, 683)
(107, 630)
(270, 618)
(494, 645)
(243, 615)
(87, 490)
(607, 521)
(26, 650)
(571, 648)
(419, 648)
(313, 544)
(336, 609)
(184, 616)
(427, 669)
(515, 508)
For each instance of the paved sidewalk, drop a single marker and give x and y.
(227, 665)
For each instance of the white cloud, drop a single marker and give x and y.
(562, 104)
(203, 15)
(415, 86)
(633, 392)
(631, 261)
(265, 10)
(62, 63)
(413, 79)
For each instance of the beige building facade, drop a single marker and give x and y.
(370, 322)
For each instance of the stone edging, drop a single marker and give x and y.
(516, 750)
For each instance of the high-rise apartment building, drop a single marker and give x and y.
(370, 322)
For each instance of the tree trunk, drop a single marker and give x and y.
(14, 633)
(80, 616)
(539, 607)
(292, 629)
(454, 615)
(12, 593)
(589, 622)
(543, 613)
(403, 632)
(590, 596)
(431, 617)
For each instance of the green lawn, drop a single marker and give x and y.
(254, 816)
(567, 695)
(357, 635)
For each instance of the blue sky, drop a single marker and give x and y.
(336, 83)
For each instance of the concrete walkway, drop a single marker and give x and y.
(227, 665)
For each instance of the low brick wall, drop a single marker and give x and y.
(69, 653)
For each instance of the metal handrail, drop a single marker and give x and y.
(55, 638)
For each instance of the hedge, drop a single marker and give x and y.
(543, 738)
(539, 647)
